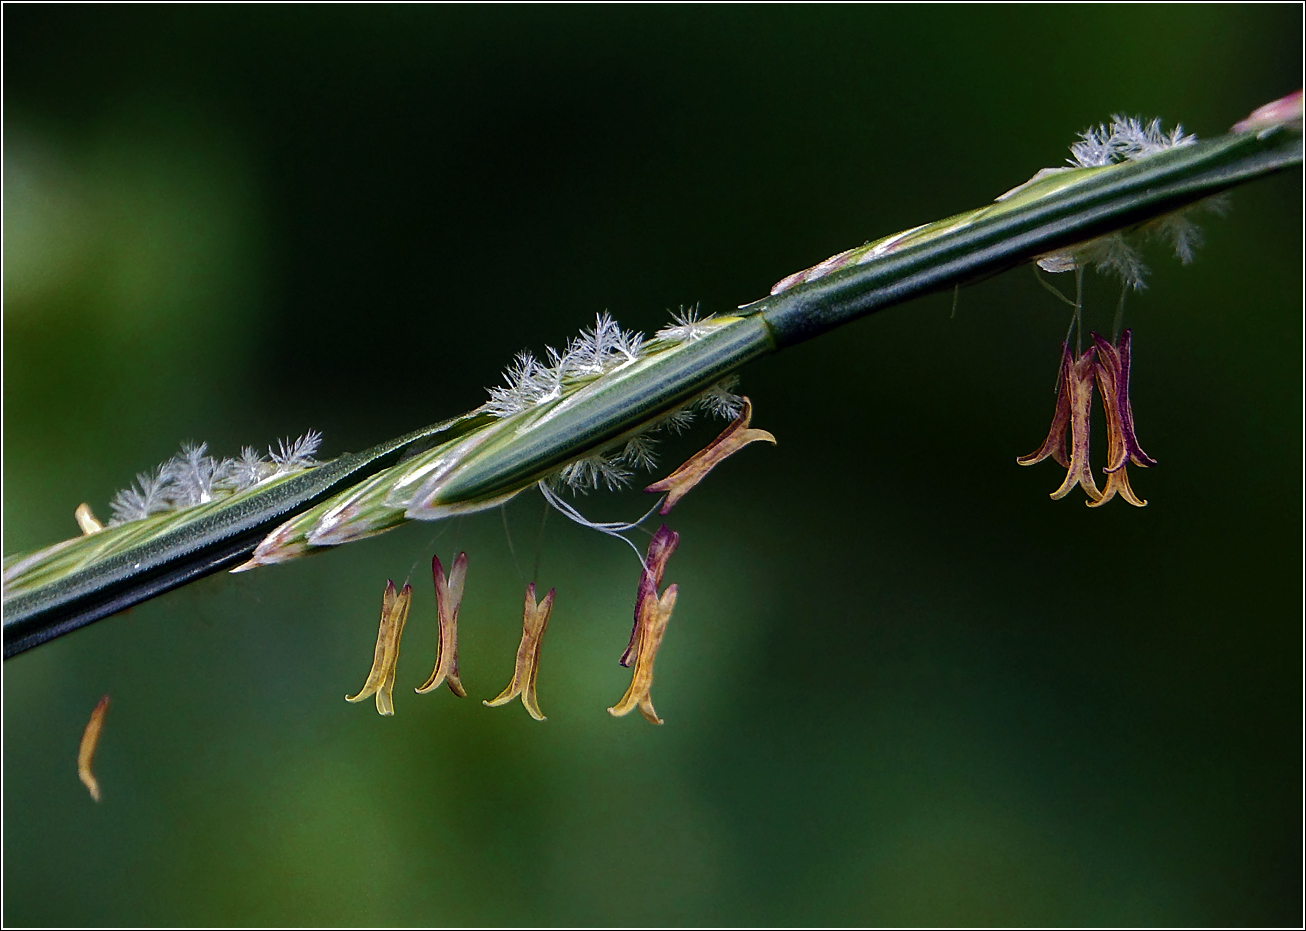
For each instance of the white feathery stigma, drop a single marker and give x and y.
(295, 455)
(688, 326)
(194, 477)
(142, 499)
(596, 351)
(639, 452)
(249, 469)
(1128, 139)
(191, 475)
(676, 422)
(720, 400)
(590, 473)
(601, 349)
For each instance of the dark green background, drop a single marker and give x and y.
(901, 685)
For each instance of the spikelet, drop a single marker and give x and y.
(605, 347)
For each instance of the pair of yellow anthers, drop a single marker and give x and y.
(394, 614)
(652, 609)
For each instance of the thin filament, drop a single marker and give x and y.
(1051, 287)
(1120, 316)
(611, 528)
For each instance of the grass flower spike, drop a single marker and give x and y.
(1126, 139)
(585, 416)
(381, 680)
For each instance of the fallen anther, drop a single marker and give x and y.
(87, 520)
(381, 680)
(734, 438)
(535, 617)
(448, 596)
(86, 750)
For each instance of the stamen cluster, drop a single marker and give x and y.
(1109, 366)
(652, 614)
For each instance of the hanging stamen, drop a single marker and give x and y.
(535, 617)
(381, 680)
(1054, 445)
(448, 596)
(1118, 358)
(652, 613)
(1122, 446)
(660, 548)
(1079, 472)
(1074, 404)
(734, 438)
(654, 625)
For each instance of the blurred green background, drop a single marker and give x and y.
(901, 685)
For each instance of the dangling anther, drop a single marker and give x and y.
(535, 617)
(448, 596)
(652, 613)
(381, 680)
(734, 438)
